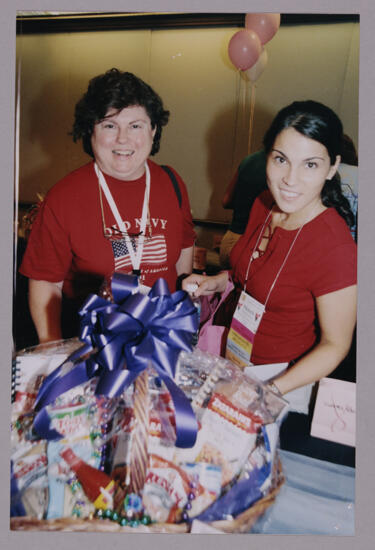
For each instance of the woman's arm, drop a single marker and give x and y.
(45, 308)
(337, 318)
(184, 263)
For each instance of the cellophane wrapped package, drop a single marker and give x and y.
(42, 485)
(229, 467)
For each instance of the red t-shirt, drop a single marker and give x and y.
(67, 241)
(322, 260)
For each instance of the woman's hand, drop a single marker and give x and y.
(206, 285)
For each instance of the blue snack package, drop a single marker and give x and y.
(249, 488)
(16, 506)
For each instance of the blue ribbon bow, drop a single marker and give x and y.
(121, 340)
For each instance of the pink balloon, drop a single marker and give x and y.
(264, 24)
(244, 49)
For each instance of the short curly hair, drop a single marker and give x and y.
(116, 89)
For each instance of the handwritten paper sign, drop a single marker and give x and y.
(334, 413)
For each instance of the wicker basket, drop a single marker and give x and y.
(240, 524)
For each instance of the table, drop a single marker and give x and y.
(316, 499)
(295, 437)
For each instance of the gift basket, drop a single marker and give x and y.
(129, 429)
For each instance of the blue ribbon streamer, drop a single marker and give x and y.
(121, 340)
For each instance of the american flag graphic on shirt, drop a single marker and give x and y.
(154, 252)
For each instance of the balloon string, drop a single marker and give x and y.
(237, 119)
(243, 102)
(251, 121)
(244, 94)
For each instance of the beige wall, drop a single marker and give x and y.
(209, 102)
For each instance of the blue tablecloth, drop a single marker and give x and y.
(316, 499)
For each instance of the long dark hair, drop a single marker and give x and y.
(316, 121)
(116, 89)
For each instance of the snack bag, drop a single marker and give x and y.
(160, 440)
(208, 478)
(73, 423)
(253, 483)
(85, 425)
(227, 434)
(161, 430)
(29, 487)
(166, 490)
(231, 409)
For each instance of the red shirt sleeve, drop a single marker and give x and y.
(48, 254)
(338, 271)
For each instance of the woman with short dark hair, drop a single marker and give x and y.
(115, 90)
(120, 212)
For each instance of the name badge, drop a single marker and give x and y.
(245, 323)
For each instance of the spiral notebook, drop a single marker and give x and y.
(32, 365)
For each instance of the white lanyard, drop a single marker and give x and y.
(135, 252)
(283, 263)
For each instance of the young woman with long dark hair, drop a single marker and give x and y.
(293, 271)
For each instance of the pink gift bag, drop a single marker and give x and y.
(212, 337)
